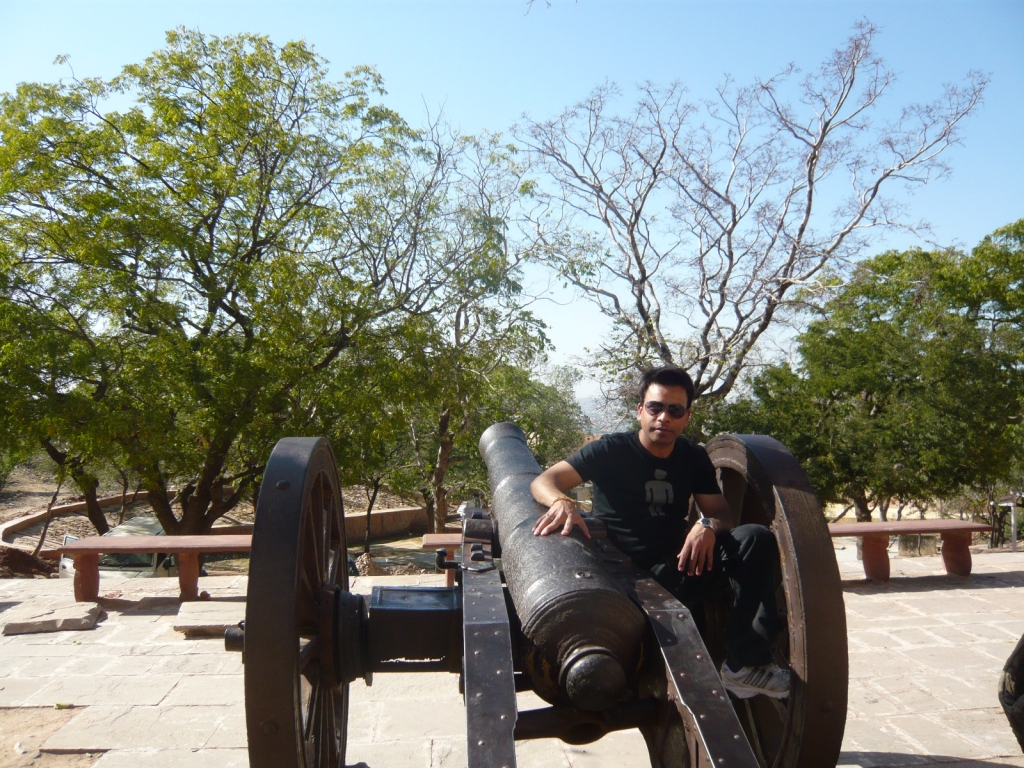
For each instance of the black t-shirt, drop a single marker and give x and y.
(644, 499)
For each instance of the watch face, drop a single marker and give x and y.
(706, 522)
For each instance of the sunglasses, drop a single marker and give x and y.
(676, 411)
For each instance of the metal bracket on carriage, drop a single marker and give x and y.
(488, 676)
(713, 729)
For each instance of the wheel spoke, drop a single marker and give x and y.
(306, 598)
(325, 735)
(308, 653)
(312, 711)
(341, 720)
(312, 559)
(334, 521)
(755, 734)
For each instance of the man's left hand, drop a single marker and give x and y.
(698, 552)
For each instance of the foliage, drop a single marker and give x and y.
(904, 390)
(184, 280)
(692, 224)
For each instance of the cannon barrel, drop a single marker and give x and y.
(583, 632)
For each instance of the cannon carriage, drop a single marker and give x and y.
(569, 618)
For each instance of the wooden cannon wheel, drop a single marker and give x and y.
(764, 484)
(296, 689)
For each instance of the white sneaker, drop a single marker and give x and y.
(769, 679)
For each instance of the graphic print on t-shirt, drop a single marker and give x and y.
(658, 492)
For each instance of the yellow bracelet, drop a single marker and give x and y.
(563, 498)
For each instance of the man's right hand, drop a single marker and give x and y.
(562, 514)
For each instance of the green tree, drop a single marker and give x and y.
(183, 277)
(903, 391)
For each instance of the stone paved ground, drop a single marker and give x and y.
(925, 654)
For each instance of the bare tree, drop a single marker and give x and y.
(690, 224)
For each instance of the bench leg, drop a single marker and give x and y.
(956, 552)
(188, 575)
(87, 578)
(875, 554)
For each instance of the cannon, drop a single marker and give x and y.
(567, 617)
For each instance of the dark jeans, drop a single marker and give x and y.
(745, 561)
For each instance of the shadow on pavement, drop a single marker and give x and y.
(932, 583)
(898, 760)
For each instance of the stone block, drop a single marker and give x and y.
(104, 728)
(175, 758)
(230, 733)
(933, 739)
(208, 617)
(53, 615)
(363, 717)
(550, 753)
(912, 696)
(986, 728)
(15, 691)
(207, 689)
(953, 659)
(393, 754)
(447, 753)
(886, 663)
(865, 701)
(92, 690)
(413, 685)
(424, 718)
(196, 663)
(618, 748)
(866, 744)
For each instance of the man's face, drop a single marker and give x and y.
(663, 429)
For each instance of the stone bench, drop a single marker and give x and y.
(956, 541)
(186, 550)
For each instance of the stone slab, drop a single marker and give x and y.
(208, 617)
(53, 615)
(150, 727)
(206, 689)
(175, 758)
(104, 690)
(911, 702)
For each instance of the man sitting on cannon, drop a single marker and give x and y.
(643, 482)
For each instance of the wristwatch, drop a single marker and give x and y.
(707, 522)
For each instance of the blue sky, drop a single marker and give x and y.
(488, 62)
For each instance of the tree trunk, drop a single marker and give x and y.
(995, 537)
(86, 482)
(92, 504)
(842, 514)
(428, 504)
(446, 444)
(883, 510)
(441, 508)
(860, 503)
(160, 501)
(46, 521)
(369, 510)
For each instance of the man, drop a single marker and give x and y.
(643, 482)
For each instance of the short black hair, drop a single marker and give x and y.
(666, 376)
